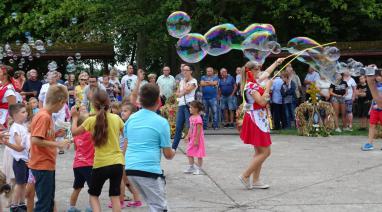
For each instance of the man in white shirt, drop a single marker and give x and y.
(349, 99)
(128, 81)
(60, 116)
(311, 77)
(166, 83)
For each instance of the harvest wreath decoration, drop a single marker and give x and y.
(313, 117)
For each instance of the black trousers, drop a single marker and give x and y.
(278, 116)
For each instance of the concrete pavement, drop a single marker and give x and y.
(305, 174)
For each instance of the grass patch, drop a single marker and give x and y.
(356, 131)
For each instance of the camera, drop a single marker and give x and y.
(370, 71)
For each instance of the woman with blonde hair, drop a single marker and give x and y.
(152, 78)
(255, 129)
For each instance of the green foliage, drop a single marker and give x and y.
(138, 27)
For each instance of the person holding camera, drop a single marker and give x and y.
(374, 81)
(185, 94)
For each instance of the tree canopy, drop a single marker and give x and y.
(137, 28)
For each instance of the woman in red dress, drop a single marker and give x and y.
(255, 129)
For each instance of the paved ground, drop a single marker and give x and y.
(306, 174)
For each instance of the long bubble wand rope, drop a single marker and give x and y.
(296, 55)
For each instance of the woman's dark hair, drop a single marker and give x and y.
(198, 105)
(93, 76)
(101, 102)
(148, 95)
(18, 74)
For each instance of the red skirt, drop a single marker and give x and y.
(251, 134)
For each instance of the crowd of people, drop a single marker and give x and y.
(119, 134)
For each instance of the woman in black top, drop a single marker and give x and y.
(338, 93)
(364, 101)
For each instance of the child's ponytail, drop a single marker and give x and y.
(101, 102)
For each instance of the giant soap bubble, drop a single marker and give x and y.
(258, 28)
(256, 56)
(39, 44)
(25, 50)
(71, 67)
(191, 47)
(259, 40)
(332, 53)
(52, 66)
(178, 24)
(219, 39)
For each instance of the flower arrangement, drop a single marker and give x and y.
(169, 112)
(313, 117)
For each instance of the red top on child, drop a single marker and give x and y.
(84, 154)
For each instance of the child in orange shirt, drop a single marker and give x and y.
(44, 147)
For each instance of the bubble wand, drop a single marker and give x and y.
(297, 54)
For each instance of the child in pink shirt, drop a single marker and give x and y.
(195, 139)
(82, 164)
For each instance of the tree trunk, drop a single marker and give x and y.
(141, 57)
(105, 67)
(133, 51)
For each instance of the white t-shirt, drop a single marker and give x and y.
(21, 131)
(128, 83)
(238, 79)
(60, 115)
(324, 86)
(351, 83)
(190, 96)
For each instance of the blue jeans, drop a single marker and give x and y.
(228, 103)
(182, 117)
(45, 188)
(289, 113)
(213, 104)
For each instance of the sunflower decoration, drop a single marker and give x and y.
(313, 117)
(169, 112)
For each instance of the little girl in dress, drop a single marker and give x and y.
(195, 140)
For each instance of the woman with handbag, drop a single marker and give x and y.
(185, 94)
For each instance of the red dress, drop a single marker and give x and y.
(255, 129)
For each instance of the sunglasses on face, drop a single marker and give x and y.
(83, 79)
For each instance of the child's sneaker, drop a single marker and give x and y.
(134, 204)
(13, 208)
(189, 170)
(88, 209)
(123, 205)
(22, 207)
(197, 171)
(73, 209)
(338, 130)
(367, 147)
